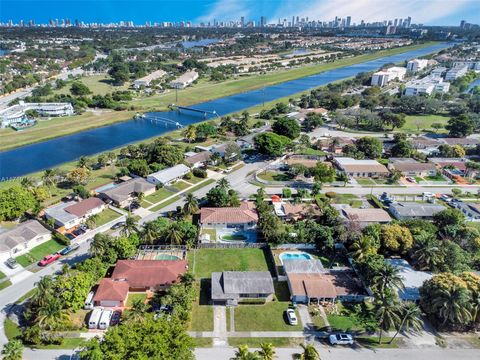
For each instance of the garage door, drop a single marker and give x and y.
(107, 303)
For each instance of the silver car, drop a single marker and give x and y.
(340, 339)
(292, 317)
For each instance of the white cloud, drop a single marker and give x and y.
(421, 11)
(225, 10)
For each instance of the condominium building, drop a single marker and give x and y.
(146, 80)
(427, 85)
(381, 78)
(456, 72)
(184, 80)
(416, 65)
(16, 113)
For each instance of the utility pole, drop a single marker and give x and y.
(176, 95)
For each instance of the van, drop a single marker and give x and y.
(89, 301)
(104, 322)
(95, 318)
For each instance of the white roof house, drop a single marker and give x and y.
(16, 112)
(412, 279)
(166, 176)
(146, 80)
(184, 80)
(23, 237)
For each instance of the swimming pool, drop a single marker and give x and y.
(295, 255)
(166, 257)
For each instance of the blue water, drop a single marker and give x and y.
(472, 85)
(50, 153)
(202, 42)
(295, 256)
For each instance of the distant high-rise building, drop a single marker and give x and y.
(293, 20)
(408, 22)
(349, 21)
(395, 22)
(462, 24)
(242, 21)
(263, 21)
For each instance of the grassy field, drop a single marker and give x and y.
(98, 85)
(204, 91)
(38, 252)
(202, 312)
(256, 342)
(132, 297)
(106, 216)
(206, 261)
(419, 123)
(12, 330)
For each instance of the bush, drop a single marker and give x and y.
(62, 239)
(330, 194)
(188, 176)
(201, 173)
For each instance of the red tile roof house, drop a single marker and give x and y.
(138, 276)
(243, 217)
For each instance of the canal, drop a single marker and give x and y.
(50, 153)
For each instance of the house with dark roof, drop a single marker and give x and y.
(123, 194)
(413, 210)
(67, 215)
(244, 217)
(197, 160)
(22, 238)
(411, 167)
(364, 217)
(233, 287)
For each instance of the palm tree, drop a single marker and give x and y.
(261, 193)
(343, 177)
(91, 222)
(13, 350)
(362, 247)
(84, 162)
(99, 245)
(429, 253)
(150, 232)
(140, 196)
(50, 177)
(387, 278)
(137, 311)
(452, 305)
(309, 353)
(387, 312)
(410, 313)
(130, 226)
(52, 314)
(190, 205)
(242, 353)
(43, 288)
(174, 235)
(267, 351)
(27, 183)
(190, 133)
(215, 158)
(223, 183)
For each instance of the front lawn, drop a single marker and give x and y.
(67, 343)
(5, 284)
(202, 342)
(158, 195)
(267, 317)
(132, 297)
(12, 330)
(106, 216)
(205, 261)
(202, 312)
(181, 185)
(39, 252)
(275, 176)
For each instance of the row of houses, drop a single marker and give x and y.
(180, 82)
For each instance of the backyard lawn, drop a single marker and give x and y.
(132, 297)
(206, 261)
(38, 252)
(106, 216)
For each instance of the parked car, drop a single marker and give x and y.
(11, 263)
(115, 318)
(69, 249)
(340, 339)
(118, 225)
(411, 179)
(49, 259)
(292, 317)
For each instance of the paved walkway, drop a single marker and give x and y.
(305, 317)
(219, 325)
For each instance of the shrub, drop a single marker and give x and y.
(330, 194)
(201, 173)
(62, 239)
(187, 176)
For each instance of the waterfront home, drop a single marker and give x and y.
(169, 175)
(196, 160)
(69, 214)
(22, 238)
(123, 194)
(17, 112)
(233, 287)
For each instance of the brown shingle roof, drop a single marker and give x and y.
(200, 157)
(149, 273)
(366, 215)
(111, 290)
(414, 166)
(82, 207)
(364, 168)
(330, 285)
(232, 215)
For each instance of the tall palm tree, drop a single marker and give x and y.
(190, 205)
(137, 311)
(242, 353)
(190, 133)
(44, 287)
(223, 183)
(267, 351)
(50, 177)
(150, 232)
(99, 245)
(387, 278)
(344, 178)
(387, 312)
(13, 350)
(452, 305)
(410, 314)
(309, 353)
(140, 196)
(362, 247)
(174, 235)
(130, 226)
(84, 162)
(52, 314)
(27, 183)
(429, 254)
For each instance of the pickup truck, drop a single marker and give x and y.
(49, 259)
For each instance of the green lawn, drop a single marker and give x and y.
(98, 85)
(2, 275)
(211, 232)
(194, 180)
(275, 176)
(233, 237)
(203, 342)
(5, 284)
(256, 342)
(217, 260)
(158, 195)
(106, 216)
(67, 343)
(365, 181)
(181, 185)
(267, 317)
(419, 123)
(310, 151)
(202, 312)
(12, 330)
(38, 252)
(132, 297)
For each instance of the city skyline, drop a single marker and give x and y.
(434, 12)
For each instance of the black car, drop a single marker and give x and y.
(11, 263)
(69, 249)
(117, 225)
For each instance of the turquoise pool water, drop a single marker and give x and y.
(299, 255)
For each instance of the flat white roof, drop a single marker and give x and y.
(167, 175)
(352, 161)
(412, 279)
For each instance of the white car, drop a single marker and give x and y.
(340, 339)
(292, 317)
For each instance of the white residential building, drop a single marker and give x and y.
(427, 85)
(416, 65)
(456, 72)
(16, 112)
(381, 78)
(72, 213)
(167, 176)
(146, 80)
(184, 80)
(472, 65)
(22, 238)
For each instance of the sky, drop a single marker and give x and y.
(430, 12)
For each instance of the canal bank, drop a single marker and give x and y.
(47, 154)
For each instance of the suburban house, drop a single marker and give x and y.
(70, 214)
(243, 217)
(360, 168)
(470, 210)
(413, 210)
(196, 160)
(412, 279)
(123, 194)
(453, 168)
(308, 161)
(184, 80)
(137, 276)
(146, 80)
(22, 238)
(465, 142)
(364, 217)
(293, 212)
(425, 145)
(411, 167)
(169, 175)
(233, 287)
(334, 144)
